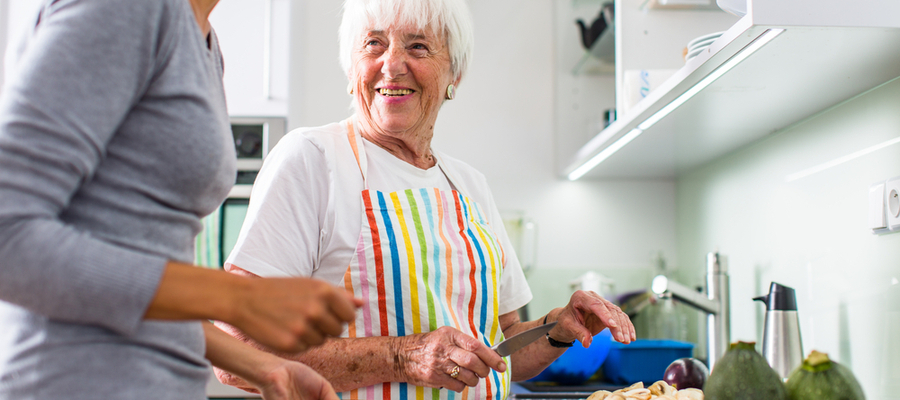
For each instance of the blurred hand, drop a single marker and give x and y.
(295, 381)
(428, 359)
(586, 315)
(292, 314)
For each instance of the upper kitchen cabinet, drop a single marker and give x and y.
(584, 80)
(779, 64)
(640, 39)
(254, 37)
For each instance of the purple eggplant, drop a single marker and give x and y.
(686, 373)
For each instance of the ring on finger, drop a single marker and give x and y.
(454, 373)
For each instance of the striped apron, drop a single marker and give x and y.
(426, 258)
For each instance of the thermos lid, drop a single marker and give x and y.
(780, 298)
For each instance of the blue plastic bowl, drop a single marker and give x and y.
(644, 360)
(577, 364)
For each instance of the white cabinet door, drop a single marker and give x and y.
(254, 37)
(16, 17)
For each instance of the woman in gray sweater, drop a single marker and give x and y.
(114, 142)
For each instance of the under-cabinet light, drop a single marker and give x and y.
(766, 37)
(590, 164)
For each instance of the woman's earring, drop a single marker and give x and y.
(350, 88)
(451, 91)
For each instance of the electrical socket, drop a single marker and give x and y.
(892, 203)
(877, 215)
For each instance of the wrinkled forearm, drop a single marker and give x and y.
(354, 363)
(346, 363)
(532, 359)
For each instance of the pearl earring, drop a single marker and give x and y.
(451, 92)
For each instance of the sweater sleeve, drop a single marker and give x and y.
(85, 66)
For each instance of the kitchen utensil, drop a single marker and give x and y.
(782, 346)
(591, 32)
(522, 339)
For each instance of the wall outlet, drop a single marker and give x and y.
(877, 214)
(892, 203)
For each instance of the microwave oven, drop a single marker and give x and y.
(254, 138)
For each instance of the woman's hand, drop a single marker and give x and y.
(295, 381)
(293, 314)
(284, 314)
(586, 315)
(260, 372)
(429, 359)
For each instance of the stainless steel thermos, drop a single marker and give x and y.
(782, 346)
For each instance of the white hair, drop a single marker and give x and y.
(449, 17)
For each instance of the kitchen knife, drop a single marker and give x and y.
(522, 339)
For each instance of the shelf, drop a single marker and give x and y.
(827, 53)
(590, 65)
(681, 4)
(601, 58)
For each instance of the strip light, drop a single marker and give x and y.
(766, 37)
(604, 154)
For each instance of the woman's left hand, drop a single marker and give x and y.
(293, 380)
(586, 315)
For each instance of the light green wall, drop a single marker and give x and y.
(809, 233)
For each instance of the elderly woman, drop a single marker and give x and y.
(369, 205)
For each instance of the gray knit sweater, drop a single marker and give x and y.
(114, 142)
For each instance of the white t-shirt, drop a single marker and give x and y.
(305, 211)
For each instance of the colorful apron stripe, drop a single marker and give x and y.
(420, 232)
(425, 255)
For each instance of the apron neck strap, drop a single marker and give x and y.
(359, 152)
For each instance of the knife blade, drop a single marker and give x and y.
(522, 339)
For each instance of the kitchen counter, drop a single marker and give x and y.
(528, 390)
(524, 390)
(216, 390)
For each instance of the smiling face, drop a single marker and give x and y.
(400, 77)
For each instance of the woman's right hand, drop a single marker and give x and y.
(284, 314)
(429, 359)
(292, 314)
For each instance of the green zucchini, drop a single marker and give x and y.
(743, 374)
(820, 378)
